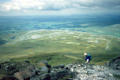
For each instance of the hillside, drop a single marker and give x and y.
(58, 46)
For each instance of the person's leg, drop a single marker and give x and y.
(87, 61)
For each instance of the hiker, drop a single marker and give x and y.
(87, 57)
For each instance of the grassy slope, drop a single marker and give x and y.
(61, 47)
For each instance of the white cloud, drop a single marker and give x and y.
(79, 6)
(22, 5)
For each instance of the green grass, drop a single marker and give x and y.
(60, 47)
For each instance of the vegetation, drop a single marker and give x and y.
(59, 47)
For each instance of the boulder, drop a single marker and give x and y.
(25, 73)
(8, 68)
(44, 69)
(115, 63)
(44, 66)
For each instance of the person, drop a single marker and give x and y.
(87, 57)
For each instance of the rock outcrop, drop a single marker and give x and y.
(27, 71)
(92, 72)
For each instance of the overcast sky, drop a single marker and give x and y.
(58, 7)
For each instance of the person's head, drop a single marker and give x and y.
(85, 54)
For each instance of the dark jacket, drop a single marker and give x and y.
(88, 57)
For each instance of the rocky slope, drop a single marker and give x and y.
(93, 72)
(43, 71)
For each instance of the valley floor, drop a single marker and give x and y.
(58, 46)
